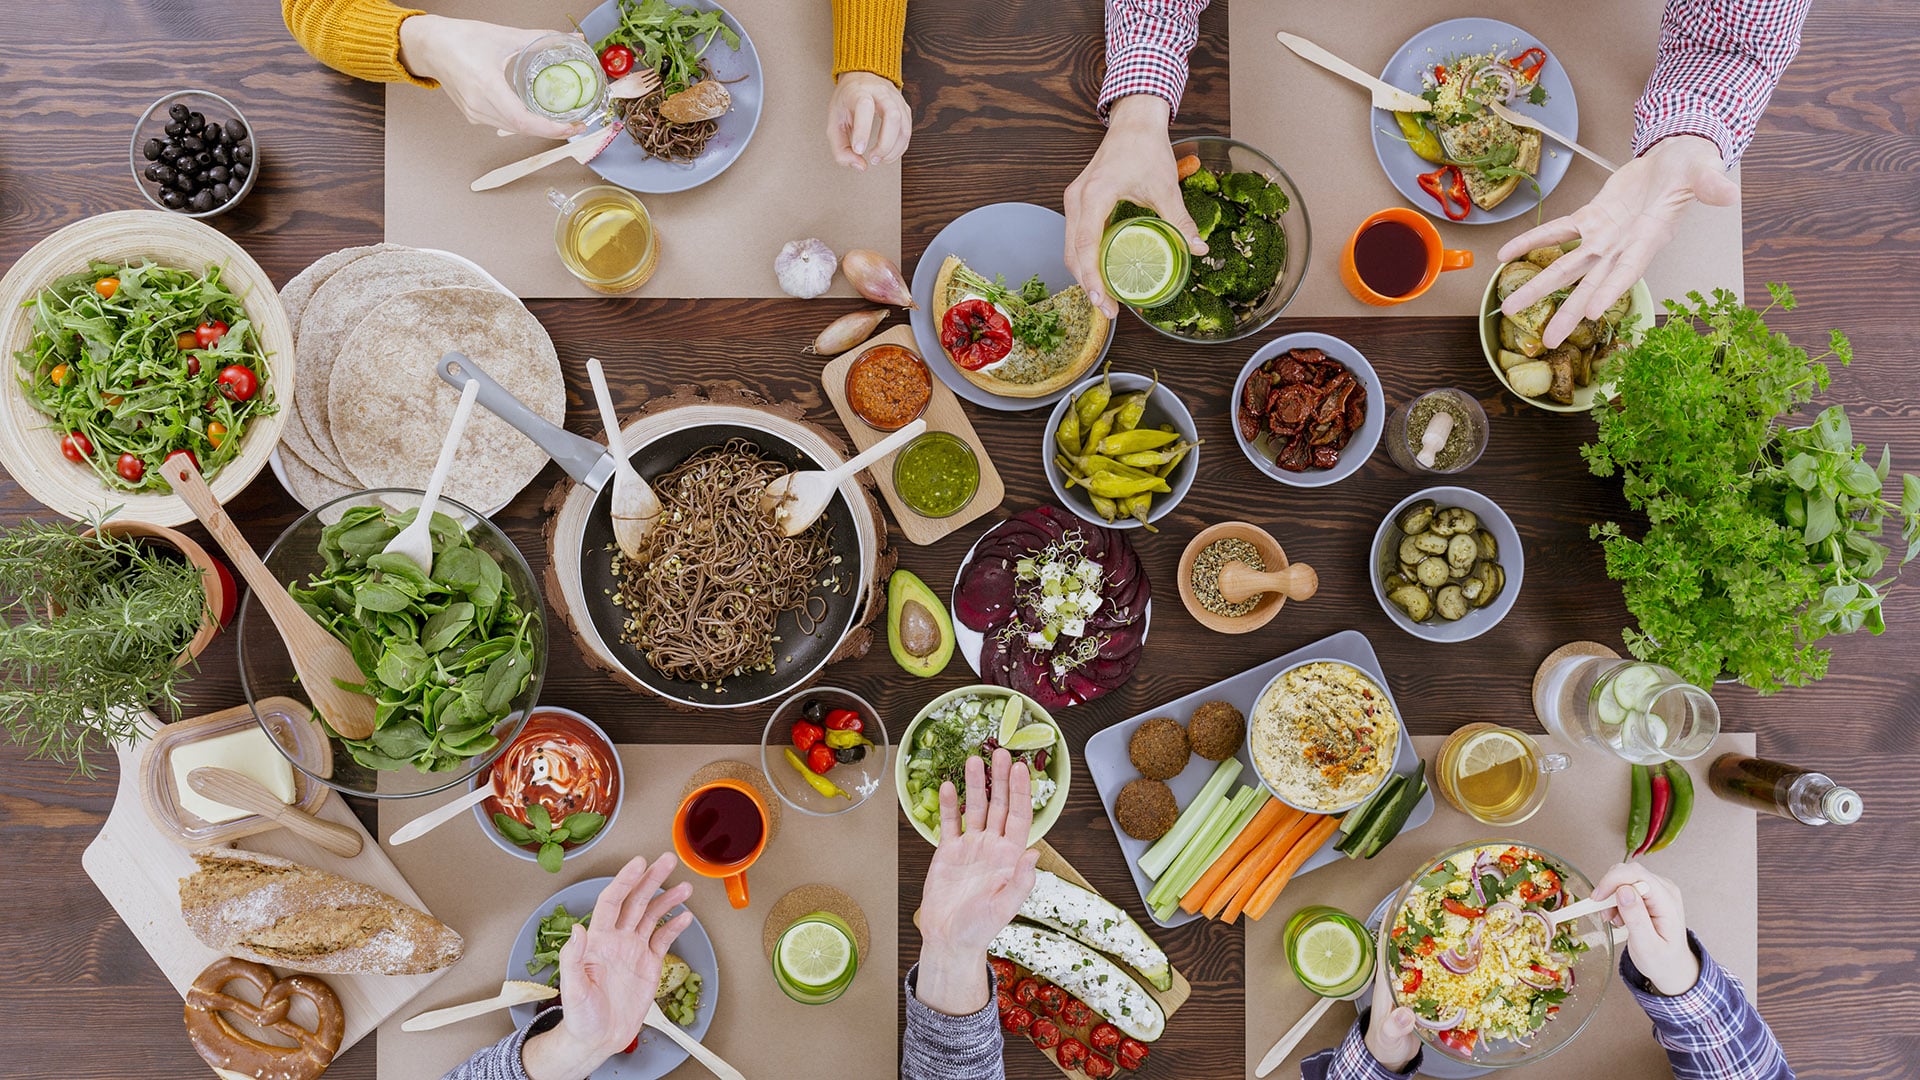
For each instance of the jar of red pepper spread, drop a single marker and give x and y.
(561, 761)
(889, 386)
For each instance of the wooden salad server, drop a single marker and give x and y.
(581, 148)
(1522, 120)
(659, 1022)
(243, 792)
(1591, 905)
(416, 540)
(797, 499)
(1293, 1036)
(635, 507)
(512, 992)
(1240, 582)
(318, 657)
(433, 819)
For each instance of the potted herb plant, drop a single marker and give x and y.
(96, 624)
(1761, 537)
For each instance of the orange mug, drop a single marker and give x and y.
(719, 831)
(1439, 259)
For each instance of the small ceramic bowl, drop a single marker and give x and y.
(1639, 319)
(485, 776)
(1163, 407)
(153, 124)
(1059, 764)
(1512, 560)
(1359, 446)
(1271, 554)
(859, 780)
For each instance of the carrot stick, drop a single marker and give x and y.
(1274, 814)
(1269, 889)
(1234, 893)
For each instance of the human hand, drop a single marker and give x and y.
(1621, 230)
(1656, 926)
(1390, 1037)
(859, 97)
(1134, 162)
(469, 60)
(976, 884)
(609, 972)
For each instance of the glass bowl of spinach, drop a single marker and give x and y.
(455, 655)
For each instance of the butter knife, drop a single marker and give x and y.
(1385, 96)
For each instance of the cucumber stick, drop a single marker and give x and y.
(1211, 795)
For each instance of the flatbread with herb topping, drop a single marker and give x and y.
(1025, 372)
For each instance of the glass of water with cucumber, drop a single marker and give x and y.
(1639, 711)
(559, 77)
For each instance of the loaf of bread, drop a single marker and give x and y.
(267, 909)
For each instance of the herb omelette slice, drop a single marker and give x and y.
(1052, 341)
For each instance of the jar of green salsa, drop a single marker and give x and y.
(936, 475)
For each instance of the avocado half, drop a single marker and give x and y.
(919, 631)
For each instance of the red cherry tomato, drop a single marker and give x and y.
(187, 339)
(1072, 1053)
(1017, 1020)
(76, 446)
(208, 334)
(1003, 971)
(1133, 1054)
(193, 366)
(1026, 991)
(843, 720)
(238, 383)
(1075, 1013)
(1052, 1000)
(1045, 1034)
(1104, 1037)
(130, 468)
(1097, 1067)
(189, 456)
(616, 60)
(976, 334)
(820, 759)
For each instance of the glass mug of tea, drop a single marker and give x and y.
(1495, 774)
(1394, 256)
(719, 831)
(605, 238)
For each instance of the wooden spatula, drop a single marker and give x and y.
(318, 657)
(243, 792)
(797, 499)
(512, 992)
(659, 1022)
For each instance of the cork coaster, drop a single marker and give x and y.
(806, 900)
(746, 774)
(1574, 648)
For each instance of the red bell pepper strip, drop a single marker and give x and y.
(1462, 910)
(1529, 63)
(1440, 73)
(1449, 188)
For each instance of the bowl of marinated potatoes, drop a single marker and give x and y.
(1571, 376)
(1447, 564)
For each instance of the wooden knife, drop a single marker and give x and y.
(1385, 96)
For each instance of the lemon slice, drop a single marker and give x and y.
(814, 955)
(1488, 751)
(1140, 264)
(1327, 955)
(599, 230)
(1037, 736)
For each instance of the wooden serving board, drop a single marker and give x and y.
(944, 413)
(138, 868)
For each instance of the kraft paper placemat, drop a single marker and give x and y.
(1714, 862)
(718, 239)
(1317, 126)
(486, 894)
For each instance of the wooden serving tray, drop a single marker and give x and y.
(944, 413)
(138, 868)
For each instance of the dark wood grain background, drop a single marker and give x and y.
(1002, 95)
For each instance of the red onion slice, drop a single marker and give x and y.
(1511, 923)
(1445, 1023)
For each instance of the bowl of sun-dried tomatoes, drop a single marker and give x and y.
(1308, 410)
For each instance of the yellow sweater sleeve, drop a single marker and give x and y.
(358, 37)
(866, 36)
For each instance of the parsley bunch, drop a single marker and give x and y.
(1760, 539)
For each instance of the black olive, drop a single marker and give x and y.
(193, 144)
(243, 154)
(240, 172)
(236, 131)
(848, 755)
(221, 155)
(169, 153)
(221, 193)
(815, 711)
(156, 171)
(172, 199)
(203, 159)
(177, 110)
(218, 174)
(184, 183)
(202, 201)
(152, 149)
(195, 121)
(176, 129)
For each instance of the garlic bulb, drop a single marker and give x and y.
(805, 267)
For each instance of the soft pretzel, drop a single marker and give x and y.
(232, 1052)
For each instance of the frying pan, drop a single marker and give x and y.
(798, 655)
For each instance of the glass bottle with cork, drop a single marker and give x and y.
(1788, 791)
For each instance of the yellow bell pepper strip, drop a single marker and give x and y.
(814, 780)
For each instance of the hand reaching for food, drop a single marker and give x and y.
(1656, 926)
(469, 60)
(1620, 231)
(976, 884)
(1390, 1037)
(1134, 162)
(859, 98)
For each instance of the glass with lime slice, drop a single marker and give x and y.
(1329, 951)
(1144, 261)
(815, 959)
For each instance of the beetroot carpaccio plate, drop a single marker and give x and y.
(1060, 603)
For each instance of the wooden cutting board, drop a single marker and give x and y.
(138, 869)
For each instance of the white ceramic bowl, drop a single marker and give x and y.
(1512, 560)
(1392, 753)
(1359, 447)
(1059, 765)
(1163, 407)
(1639, 319)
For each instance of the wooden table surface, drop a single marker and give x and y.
(1002, 95)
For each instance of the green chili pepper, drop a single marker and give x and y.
(1130, 442)
(1640, 809)
(1420, 139)
(1068, 435)
(1093, 401)
(1124, 487)
(1100, 429)
(1094, 464)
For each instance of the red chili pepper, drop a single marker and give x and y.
(76, 446)
(1529, 63)
(1449, 187)
(976, 334)
(844, 720)
(1662, 804)
(1045, 1034)
(1461, 909)
(806, 735)
(616, 60)
(1440, 73)
(1414, 978)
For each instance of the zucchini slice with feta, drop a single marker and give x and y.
(1106, 988)
(1096, 922)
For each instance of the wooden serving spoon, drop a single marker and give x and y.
(243, 792)
(635, 507)
(1240, 582)
(512, 992)
(319, 658)
(659, 1022)
(797, 499)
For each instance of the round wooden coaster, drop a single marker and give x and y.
(1572, 648)
(806, 900)
(746, 774)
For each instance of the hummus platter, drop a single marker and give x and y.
(1323, 735)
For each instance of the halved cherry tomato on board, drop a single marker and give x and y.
(1529, 63)
(976, 334)
(106, 287)
(1459, 1039)
(76, 446)
(208, 334)
(130, 468)
(1461, 909)
(238, 383)
(616, 60)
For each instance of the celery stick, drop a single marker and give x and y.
(1212, 794)
(1215, 822)
(1208, 847)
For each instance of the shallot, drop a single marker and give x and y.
(877, 278)
(847, 331)
(805, 267)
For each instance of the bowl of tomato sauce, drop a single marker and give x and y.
(561, 765)
(888, 387)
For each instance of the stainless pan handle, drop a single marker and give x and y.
(583, 459)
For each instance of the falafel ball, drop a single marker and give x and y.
(1215, 729)
(1145, 809)
(1159, 748)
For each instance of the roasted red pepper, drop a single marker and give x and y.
(976, 334)
(1529, 63)
(1461, 909)
(1449, 187)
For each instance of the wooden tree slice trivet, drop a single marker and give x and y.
(943, 413)
(568, 506)
(1572, 648)
(806, 900)
(728, 769)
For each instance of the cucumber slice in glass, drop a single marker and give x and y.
(1610, 709)
(557, 88)
(1633, 687)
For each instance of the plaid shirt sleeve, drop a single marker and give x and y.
(1718, 63)
(1351, 1060)
(1710, 1032)
(1147, 46)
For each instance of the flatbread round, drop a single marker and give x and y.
(294, 296)
(328, 320)
(307, 485)
(390, 410)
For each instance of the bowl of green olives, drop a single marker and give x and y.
(193, 153)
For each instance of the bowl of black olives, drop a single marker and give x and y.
(193, 153)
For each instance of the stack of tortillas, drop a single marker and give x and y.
(370, 325)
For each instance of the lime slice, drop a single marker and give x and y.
(1489, 750)
(813, 955)
(1032, 737)
(1140, 264)
(557, 89)
(1010, 719)
(1327, 955)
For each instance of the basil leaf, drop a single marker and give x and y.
(538, 817)
(512, 829)
(551, 856)
(583, 825)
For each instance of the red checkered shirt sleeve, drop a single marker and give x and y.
(1147, 46)
(1710, 1032)
(1351, 1060)
(1718, 64)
